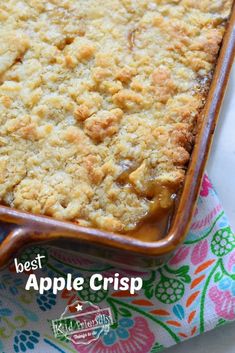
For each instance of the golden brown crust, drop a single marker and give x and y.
(106, 124)
(164, 86)
(98, 103)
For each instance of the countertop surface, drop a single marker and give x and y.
(221, 169)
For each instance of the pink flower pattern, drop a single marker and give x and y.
(206, 186)
(224, 303)
(180, 256)
(199, 252)
(231, 263)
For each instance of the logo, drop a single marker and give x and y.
(82, 323)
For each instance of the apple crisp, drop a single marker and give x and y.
(99, 102)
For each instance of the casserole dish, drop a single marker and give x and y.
(121, 249)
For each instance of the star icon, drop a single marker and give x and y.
(79, 307)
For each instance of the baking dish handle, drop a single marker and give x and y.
(16, 239)
(10, 243)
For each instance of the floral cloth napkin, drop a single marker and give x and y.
(194, 292)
